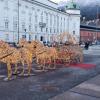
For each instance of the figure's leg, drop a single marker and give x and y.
(16, 69)
(29, 68)
(50, 62)
(44, 65)
(9, 70)
(54, 67)
(39, 64)
(23, 70)
(81, 58)
(37, 60)
(42, 62)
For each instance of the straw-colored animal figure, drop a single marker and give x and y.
(26, 50)
(28, 45)
(64, 54)
(44, 54)
(78, 53)
(72, 50)
(22, 42)
(54, 55)
(42, 57)
(26, 58)
(9, 55)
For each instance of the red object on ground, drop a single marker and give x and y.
(83, 66)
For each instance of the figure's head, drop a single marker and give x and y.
(3, 45)
(22, 42)
(36, 44)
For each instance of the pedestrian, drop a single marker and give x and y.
(87, 45)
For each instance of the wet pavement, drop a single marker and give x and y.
(44, 86)
(88, 90)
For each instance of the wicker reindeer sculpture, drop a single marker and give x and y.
(44, 55)
(9, 55)
(27, 54)
(12, 55)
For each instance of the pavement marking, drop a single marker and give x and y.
(93, 87)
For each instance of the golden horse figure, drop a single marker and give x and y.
(26, 58)
(54, 55)
(27, 54)
(44, 54)
(9, 55)
(42, 57)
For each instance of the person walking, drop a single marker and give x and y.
(87, 45)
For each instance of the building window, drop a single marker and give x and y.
(64, 23)
(54, 31)
(35, 37)
(46, 18)
(7, 37)
(46, 29)
(42, 17)
(50, 30)
(61, 21)
(50, 19)
(1, 0)
(35, 28)
(58, 20)
(32, 8)
(30, 28)
(58, 30)
(15, 23)
(30, 20)
(36, 19)
(54, 20)
(30, 38)
(74, 25)
(38, 10)
(6, 4)
(23, 26)
(6, 24)
(41, 29)
(26, 6)
(61, 30)
(73, 32)
(23, 36)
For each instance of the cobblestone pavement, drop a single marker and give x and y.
(44, 86)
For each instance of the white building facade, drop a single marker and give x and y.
(36, 20)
